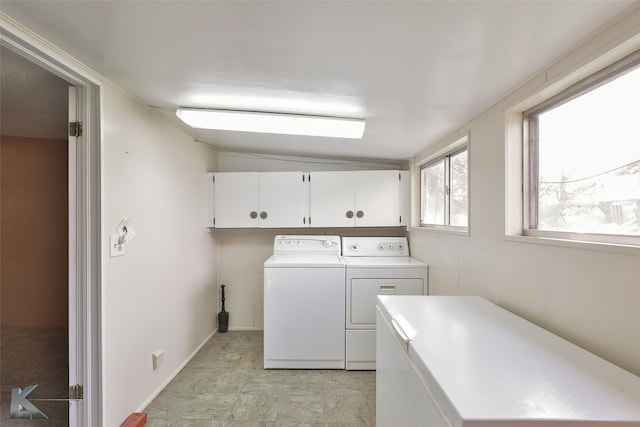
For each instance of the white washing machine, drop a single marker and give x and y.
(304, 304)
(375, 266)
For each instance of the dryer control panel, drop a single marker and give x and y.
(375, 246)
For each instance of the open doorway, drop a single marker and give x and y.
(34, 235)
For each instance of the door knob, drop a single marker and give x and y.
(359, 214)
(349, 214)
(263, 215)
(253, 214)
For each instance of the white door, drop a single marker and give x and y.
(283, 199)
(236, 200)
(377, 198)
(331, 195)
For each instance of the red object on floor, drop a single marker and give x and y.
(137, 419)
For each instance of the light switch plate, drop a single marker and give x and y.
(115, 249)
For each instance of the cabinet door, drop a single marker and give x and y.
(283, 199)
(332, 199)
(377, 198)
(210, 212)
(405, 198)
(236, 199)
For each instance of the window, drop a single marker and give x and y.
(444, 191)
(584, 158)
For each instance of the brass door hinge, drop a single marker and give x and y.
(75, 129)
(76, 392)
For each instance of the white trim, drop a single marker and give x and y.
(175, 373)
(87, 210)
(575, 244)
(595, 54)
(457, 142)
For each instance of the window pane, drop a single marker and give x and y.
(589, 161)
(459, 193)
(433, 193)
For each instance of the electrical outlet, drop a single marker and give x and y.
(157, 357)
(115, 248)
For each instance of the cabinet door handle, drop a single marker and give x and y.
(359, 214)
(253, 214)
(263, 215)
(387, 287)
(349, 214)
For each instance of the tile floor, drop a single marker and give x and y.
(225, 386)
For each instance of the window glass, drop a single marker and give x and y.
(459, 190)
(433, 183)
(585, 166)
(445, 191)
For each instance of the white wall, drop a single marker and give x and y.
(586, 294)
(162, 293)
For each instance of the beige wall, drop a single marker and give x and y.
(161, 295)
(587, 294)
(34, 206)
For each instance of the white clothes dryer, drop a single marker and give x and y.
(375, 266)
(304, 303)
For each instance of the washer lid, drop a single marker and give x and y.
(304, 261)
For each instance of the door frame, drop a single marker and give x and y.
(84, 216)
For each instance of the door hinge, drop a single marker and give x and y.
(399, 176)
(214, 179)
(75, 129)
(76, 392)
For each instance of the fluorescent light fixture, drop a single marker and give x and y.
(290, 124)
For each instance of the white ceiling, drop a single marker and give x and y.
(414, 70)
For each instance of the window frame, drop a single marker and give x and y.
(530, 171)
(459, 146)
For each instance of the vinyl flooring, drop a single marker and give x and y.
(225, 385)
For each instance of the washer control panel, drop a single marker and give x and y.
(375, 246)
(299, 244)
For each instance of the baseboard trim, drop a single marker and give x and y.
(175, 373)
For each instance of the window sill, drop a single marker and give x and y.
(442, 229)
(576, 244)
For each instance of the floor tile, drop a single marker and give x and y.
(255, 407)
(301, 409)
(225, 385)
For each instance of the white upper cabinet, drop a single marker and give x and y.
(283, 198)
(332, 199)
(355, 198)
(236, 200)
(210, 211)
(267, 200)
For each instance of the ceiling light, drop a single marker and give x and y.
(290, 124)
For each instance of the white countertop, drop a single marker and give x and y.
(487, 366)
